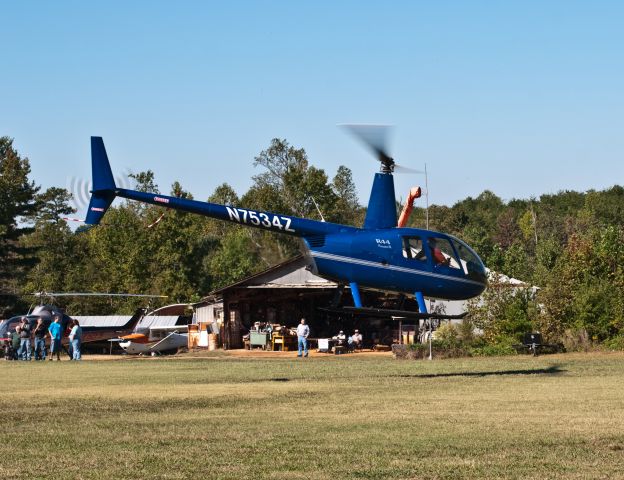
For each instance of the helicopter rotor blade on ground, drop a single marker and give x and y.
(87, 294)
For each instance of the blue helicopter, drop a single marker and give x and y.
(379, 255)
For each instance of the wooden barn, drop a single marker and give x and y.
(284, 294)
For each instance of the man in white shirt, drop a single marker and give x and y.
(303, 331)
(357, 340)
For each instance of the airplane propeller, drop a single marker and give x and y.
(375, 137)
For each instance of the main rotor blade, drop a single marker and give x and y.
(402, 169)
(375, 137)
(86, 294)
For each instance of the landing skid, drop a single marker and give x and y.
(385, 313)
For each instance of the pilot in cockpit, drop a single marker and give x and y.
(437, 255)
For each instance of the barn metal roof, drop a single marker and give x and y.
(289, 274)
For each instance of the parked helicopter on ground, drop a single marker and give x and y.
(379, 255)
(90, 333)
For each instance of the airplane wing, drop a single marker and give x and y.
(171, 328)
(171, 341)
(385, 313)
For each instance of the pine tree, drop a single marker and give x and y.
(17, 208)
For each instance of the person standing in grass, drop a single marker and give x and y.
(56, 334)
(74, 337)
(8, 346)
(15, 339)
(24, 350)
(40, 346)
(303, 331)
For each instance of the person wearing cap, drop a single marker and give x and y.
(356, 338)
(56, 333)
(303, 331)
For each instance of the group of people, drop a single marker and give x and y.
(352, 342)
(19, 346)
(303, 332)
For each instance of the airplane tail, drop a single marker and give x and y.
(103, 192)
(134, 321)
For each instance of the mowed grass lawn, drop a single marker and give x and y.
(352, 416)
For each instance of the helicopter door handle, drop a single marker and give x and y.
(384, 262)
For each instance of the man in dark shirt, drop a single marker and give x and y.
(40, 336)
(24, 349)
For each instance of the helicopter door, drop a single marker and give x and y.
(413, 248)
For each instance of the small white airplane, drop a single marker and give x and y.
(157, 340)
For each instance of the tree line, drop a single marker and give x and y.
(569, 244)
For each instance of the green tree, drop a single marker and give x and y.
(290, 186)
(504, 310)
(17, 208)
(53, 204)
(346, 209)
(234, 259)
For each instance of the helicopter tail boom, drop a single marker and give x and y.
(103, 190)
(289, 225)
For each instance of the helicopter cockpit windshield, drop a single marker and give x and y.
(471, 263)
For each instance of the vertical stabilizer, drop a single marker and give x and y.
(103, 192)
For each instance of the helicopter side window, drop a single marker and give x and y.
(413, 248)
(442, 252)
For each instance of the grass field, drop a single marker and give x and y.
(352, 416)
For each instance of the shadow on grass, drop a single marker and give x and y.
(554, 370)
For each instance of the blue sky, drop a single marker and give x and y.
(521, 98)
